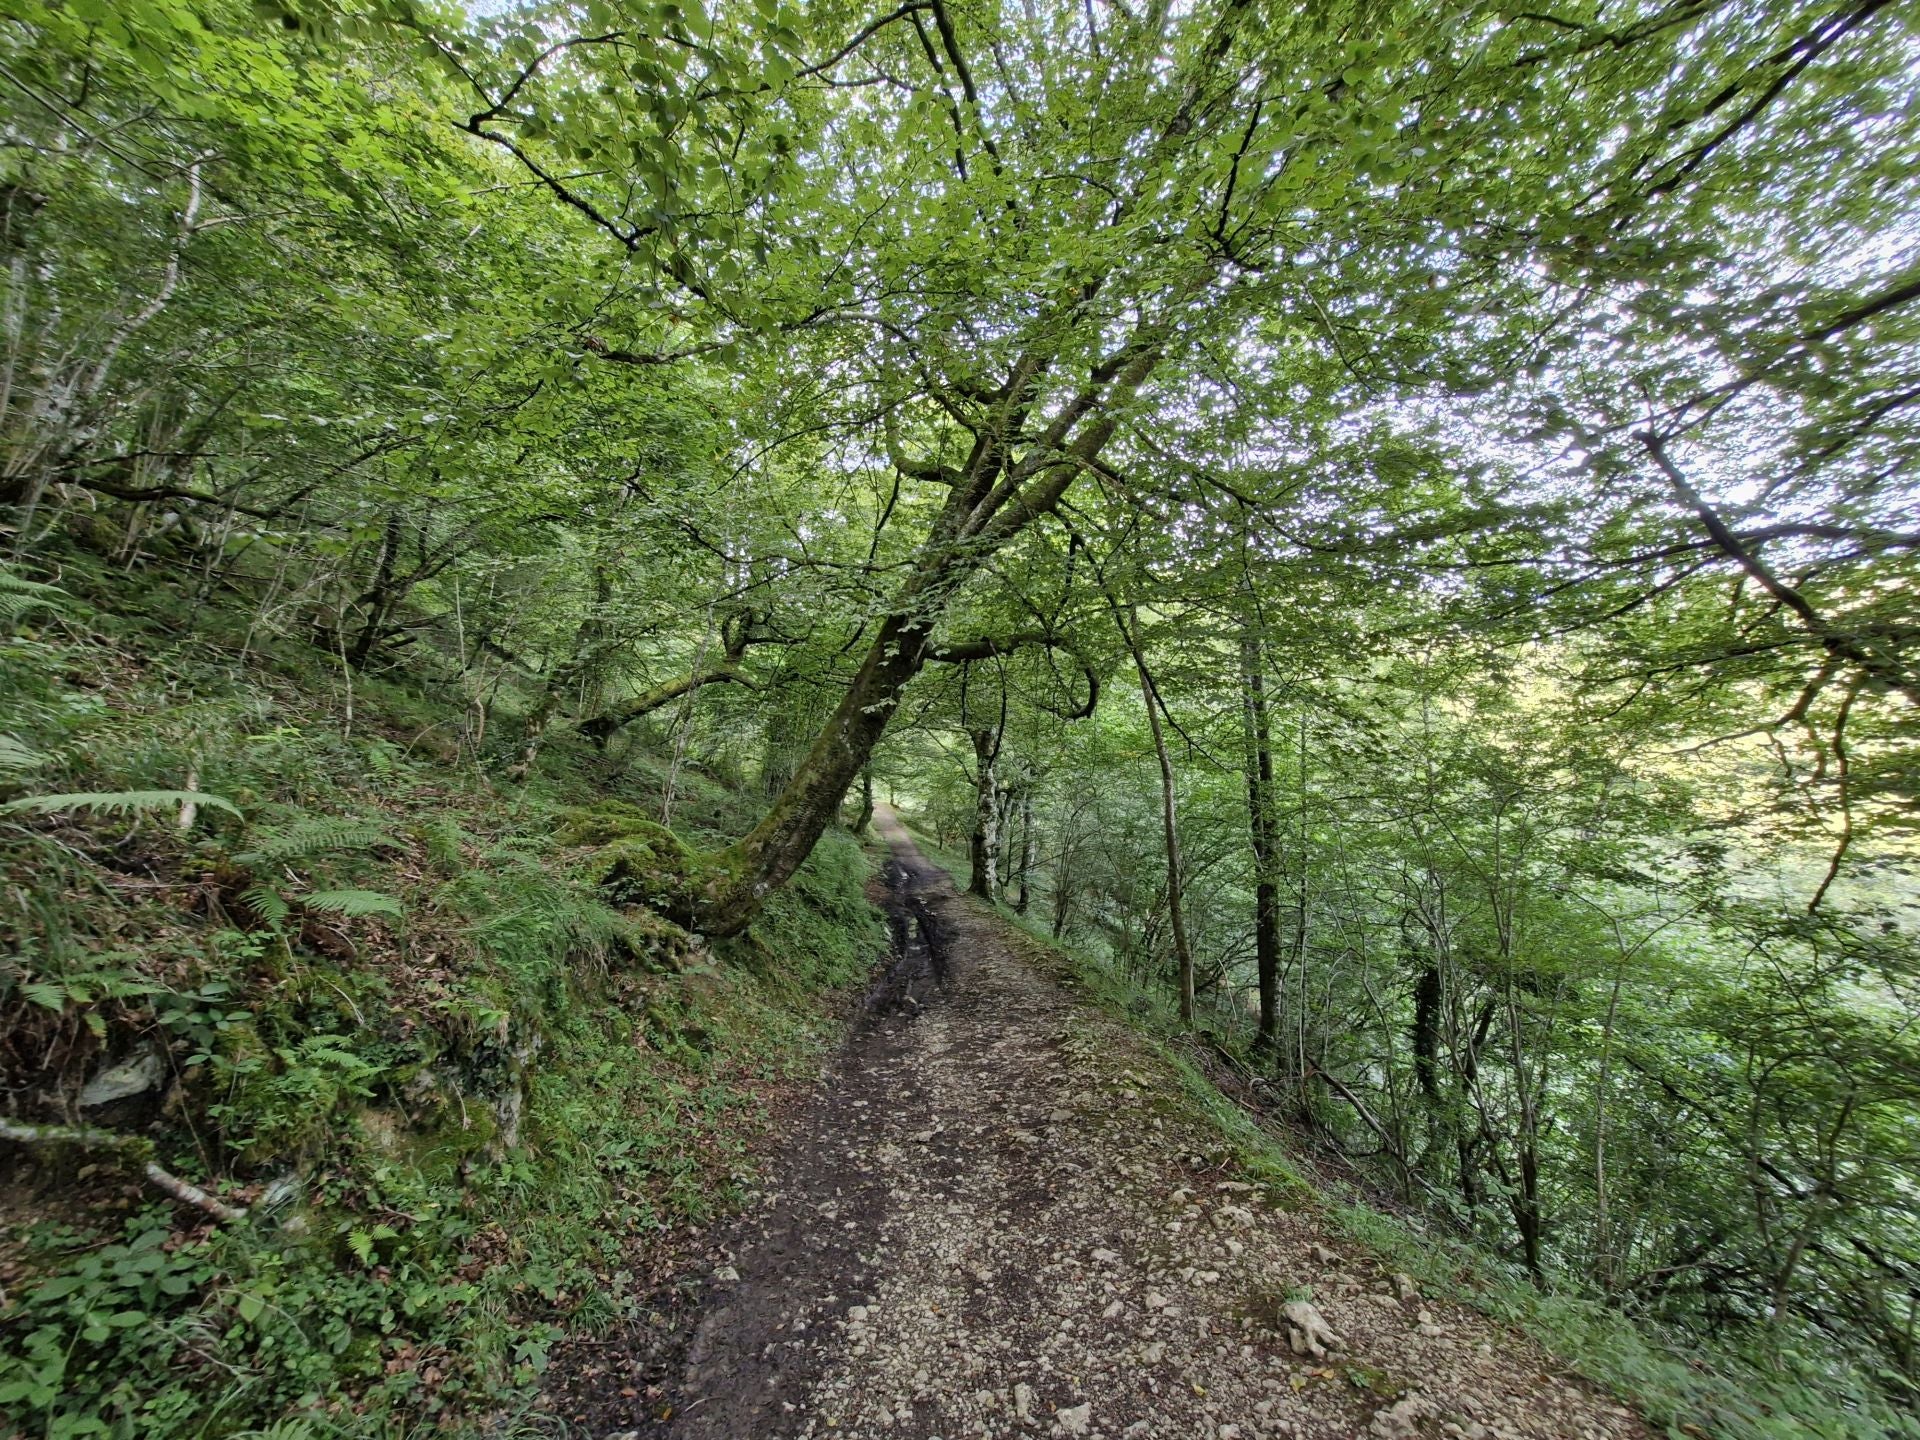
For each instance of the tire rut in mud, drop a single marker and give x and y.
(918, 967)
(731, 1358)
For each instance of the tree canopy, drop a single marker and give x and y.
(1393, 524)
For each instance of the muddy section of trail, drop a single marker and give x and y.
(988, 1222)
(729, 1352)
(808, 1253)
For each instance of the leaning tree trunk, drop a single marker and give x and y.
(1176, 910)
(741, 877)
(726, 670)
(993, 499)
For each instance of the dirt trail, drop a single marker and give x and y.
(981, 1226)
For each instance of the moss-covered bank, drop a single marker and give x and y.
(419, 1024)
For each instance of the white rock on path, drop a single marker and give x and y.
(1308, 1332)
(1076, 1420)
(1401, 1420)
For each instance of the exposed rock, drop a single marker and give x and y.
(1401, 1420)
(1307, 1330)
(136, 1075)
(1075, 1420)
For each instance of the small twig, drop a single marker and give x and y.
(127, 1145)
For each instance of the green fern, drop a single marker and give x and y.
(19, 598)
(446, 843)
(320, 835)
(117, 802)
(352, 903)
(269, 904)
(16, 758)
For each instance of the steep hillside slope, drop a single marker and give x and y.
(277, 942)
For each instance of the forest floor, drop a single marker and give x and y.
(984, 1223)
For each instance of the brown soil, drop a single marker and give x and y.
(982, 1224)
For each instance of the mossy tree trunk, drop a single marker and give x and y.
(990, 500)
(742, 876)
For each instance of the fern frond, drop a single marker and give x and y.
(320, 835)
(16, 757)
(352, 903)
(118, 802)
(269, 904)
(20, 597)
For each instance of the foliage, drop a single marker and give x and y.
(453, 1096)
(117, 802)
(1777, 1396)
(506, 473)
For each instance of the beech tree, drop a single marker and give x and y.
(1015, 245)
(1389, 528)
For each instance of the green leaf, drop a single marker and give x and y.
(17, 757)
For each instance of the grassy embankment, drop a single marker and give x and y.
(290, 939)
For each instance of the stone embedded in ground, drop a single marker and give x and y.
(145, 1071)
(1075, 1420)
(1308, 1331)
(1401, 1420)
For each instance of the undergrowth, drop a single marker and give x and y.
(315, 961)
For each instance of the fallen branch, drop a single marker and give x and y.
(126, 1145)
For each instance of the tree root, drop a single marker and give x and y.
(129, 1147)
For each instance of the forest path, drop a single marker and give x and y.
(983, 1225)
